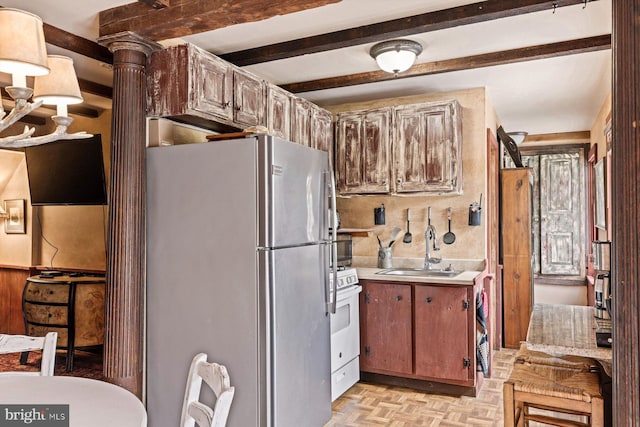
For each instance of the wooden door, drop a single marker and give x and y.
(561, 215)
(321, 130)
(385, 328)
(428, 148)
(362, 151)
(278, 112)
(442, 333)
(300, 121)
(248, 99)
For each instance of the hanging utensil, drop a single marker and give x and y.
(449, 237)
(407, 236)
(394, 235)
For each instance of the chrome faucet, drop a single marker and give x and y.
(430, 235)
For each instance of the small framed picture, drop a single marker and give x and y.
(14, 223)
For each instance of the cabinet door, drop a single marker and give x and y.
(300, 121)
(442, 332)
(427, 148)
(278, 112)
(248, 99)
(322, 131)
(362, 156)
(385, 328)
(211, 80)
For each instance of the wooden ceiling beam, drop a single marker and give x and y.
(77, 44)
(95, 88)
(402, 27)
(186, 17)
(569, 47)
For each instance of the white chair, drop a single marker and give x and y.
(217, 378)
(24, 343)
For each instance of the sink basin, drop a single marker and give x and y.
(419, 272)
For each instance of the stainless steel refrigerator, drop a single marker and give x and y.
(238, 257)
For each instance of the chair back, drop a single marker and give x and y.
(24, 343)
(217, 378)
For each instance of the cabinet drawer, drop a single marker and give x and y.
(46, 314)
(40, 331)
(344, 378)
(41, 292)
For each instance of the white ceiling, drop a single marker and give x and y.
(560, 94)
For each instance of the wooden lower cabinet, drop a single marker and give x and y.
(442, 332)
(418, 331)
(385, 328)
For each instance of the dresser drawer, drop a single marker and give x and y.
(42, 292)
(46, 314)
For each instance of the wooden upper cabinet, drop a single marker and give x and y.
(362, 151)
(427, 148)
(212, 83)
(300, 121)
(278, 112)
(321, 131)
(249, 99)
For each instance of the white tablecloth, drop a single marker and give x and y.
(91, 402)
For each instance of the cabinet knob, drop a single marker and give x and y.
(428, 300)
(226, 104)
(399, 181)
(238, 107)
(398, 298)
(384, 182)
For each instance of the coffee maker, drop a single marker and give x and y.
(602, 267)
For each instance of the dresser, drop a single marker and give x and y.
(71, 305)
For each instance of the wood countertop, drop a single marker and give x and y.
(565, 329)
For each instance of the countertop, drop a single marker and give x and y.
(464, 278)
(565, 329)
(470, 270)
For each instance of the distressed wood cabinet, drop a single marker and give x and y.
(278, 111)
(321, 131)
(301, 121)
(418, 331)
(385, 328)
(442, 315)
(185, 80)
(362, 151)
(427, 148)
(425, 141)
(517, 279)
(248, 99)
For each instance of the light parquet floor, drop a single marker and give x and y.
(379, 405)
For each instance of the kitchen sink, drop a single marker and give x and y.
(418, 272)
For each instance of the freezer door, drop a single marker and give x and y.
(293, 196)
(300, 380)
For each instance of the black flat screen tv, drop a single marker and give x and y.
(67, 172)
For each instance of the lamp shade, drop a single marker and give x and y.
(60, 86)
(396, 56)
(22, 46)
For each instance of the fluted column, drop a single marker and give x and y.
(124, 306)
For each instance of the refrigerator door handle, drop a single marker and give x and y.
(334, 245)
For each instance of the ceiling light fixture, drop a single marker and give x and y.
(395, 56)
(23, 53)
(518, 137)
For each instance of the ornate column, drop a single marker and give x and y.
(124, 306)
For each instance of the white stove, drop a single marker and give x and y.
(345, 333)
(347, 277)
